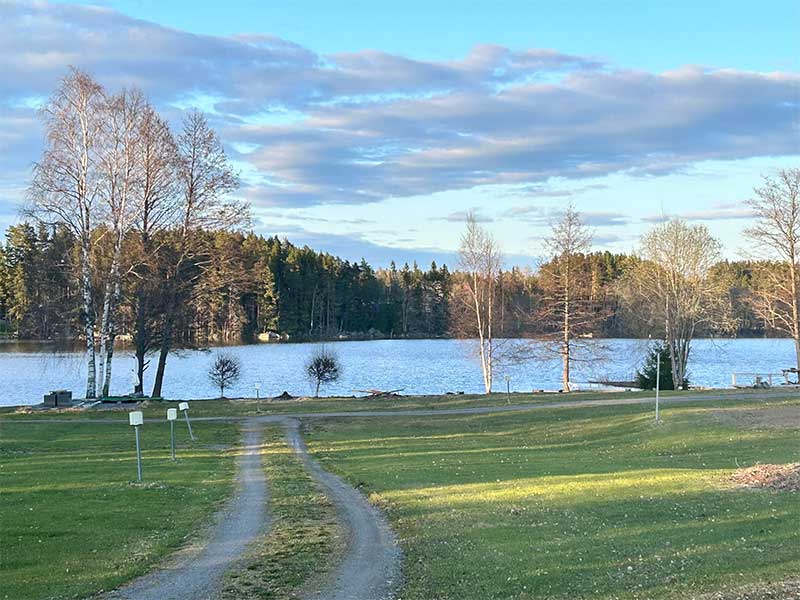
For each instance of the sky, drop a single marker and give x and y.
(370, 129)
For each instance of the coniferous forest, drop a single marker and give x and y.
(246, 287)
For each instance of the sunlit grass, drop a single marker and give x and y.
(251, 407)
(73, 520)
(574, 503)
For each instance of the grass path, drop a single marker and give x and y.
(303, 536)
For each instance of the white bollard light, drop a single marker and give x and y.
(184, 406)
(172, 415)
(136, 419)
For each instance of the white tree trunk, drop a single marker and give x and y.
(88, 309)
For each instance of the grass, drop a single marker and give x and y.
(302, 536)
(250, 407)
(73, 519)
(574, 503)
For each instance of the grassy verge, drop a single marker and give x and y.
(250, 407)
(301, 539)
(74, 521)
(582, 503)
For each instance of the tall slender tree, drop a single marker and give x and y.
(206, 180)
(567, 306)
(476, 295)
(157, 211)
(120, 169)
(67, 182)
(776, 237)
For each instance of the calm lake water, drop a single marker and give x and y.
(418, 366)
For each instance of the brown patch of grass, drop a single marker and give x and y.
(785, 478)
(786, 416)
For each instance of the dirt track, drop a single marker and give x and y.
(196, 573)
(370, 567)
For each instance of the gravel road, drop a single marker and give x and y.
(196, 573)
(370, 567)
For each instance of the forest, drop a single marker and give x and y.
(244, 286)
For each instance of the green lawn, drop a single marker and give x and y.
(249, 407)
(575, 503)
(74, 521)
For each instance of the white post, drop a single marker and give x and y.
(172, 415)
(136, 418)
(658, 382)
(184, 406)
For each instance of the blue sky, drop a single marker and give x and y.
(369, 129)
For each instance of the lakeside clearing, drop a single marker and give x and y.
(571, 502)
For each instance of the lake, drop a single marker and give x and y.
(418, 366)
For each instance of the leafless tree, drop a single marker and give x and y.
(671, 288)
(322, 367)
(67, 182)
(567, 306)
(206, 179)
(475, 295)
(776, 237)
(158, 203)
(225, 370)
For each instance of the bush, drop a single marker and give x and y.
(322, 367)
(224, 371)
(646, 378)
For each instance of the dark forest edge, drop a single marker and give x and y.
(250, 288)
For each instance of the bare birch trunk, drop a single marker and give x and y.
(88, 311)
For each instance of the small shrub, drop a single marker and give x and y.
(322, 367)
(224, 371)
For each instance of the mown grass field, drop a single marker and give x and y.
(73, 520)
(578, 502)
(251, 407)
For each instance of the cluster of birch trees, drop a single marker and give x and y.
(114, 174)
(671, 287)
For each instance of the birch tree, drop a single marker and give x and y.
(67, 181)
(670, 289)
(476, 294)
(120, 169)
(776, 237)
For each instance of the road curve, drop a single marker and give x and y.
(370, 567)
(196, 573)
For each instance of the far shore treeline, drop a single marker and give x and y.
(245, 285)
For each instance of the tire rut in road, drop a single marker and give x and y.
(370, 567)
